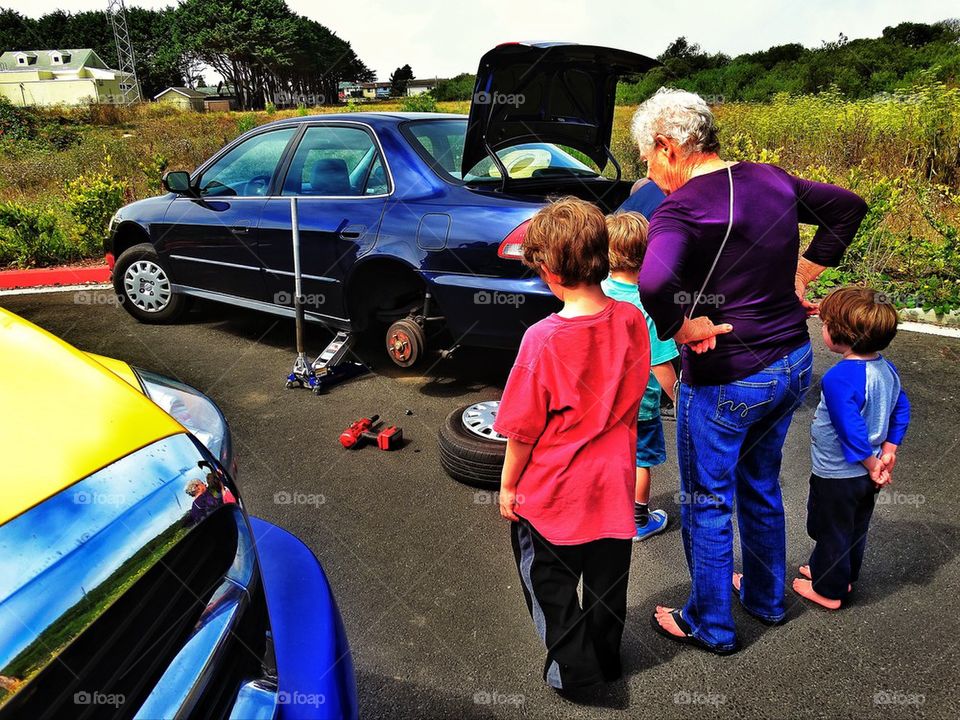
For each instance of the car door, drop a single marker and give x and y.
(210, 240)
(341, 180)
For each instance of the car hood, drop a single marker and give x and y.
(69, 415)
(559, 93)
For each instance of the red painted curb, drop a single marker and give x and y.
(44, 277)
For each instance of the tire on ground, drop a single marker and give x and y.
(466, 457)
(145, 251)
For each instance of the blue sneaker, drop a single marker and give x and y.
(656, 523)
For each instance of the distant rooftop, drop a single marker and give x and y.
(51, 59)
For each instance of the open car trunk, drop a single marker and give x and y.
(559, 93)
(605, 193)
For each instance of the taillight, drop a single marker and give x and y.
(512, 246)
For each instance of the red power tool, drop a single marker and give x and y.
(386, 438)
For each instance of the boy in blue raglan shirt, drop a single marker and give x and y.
(627, 234)
(858, 426)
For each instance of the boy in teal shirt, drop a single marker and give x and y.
(628, 243)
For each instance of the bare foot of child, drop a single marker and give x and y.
(804, 588)
(805, 571)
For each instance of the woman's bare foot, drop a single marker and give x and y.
(805, 571)
(666, 621)
(737, 581)
(804, 588)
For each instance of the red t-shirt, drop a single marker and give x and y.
(574, 393)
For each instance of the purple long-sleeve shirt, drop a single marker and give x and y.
(752, 287)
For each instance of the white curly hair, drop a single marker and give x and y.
(678, 114)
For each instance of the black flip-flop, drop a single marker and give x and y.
(688, 638)
(751, 613)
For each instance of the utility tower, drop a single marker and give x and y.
(129, 87)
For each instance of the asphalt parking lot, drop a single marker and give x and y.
(422, 568)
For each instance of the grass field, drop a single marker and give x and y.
(901, 153)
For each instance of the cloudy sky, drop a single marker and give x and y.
(445, 37)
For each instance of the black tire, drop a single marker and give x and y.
(466, 457)
(170, 307)
(406, 342)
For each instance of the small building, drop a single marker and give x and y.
(375, 90)
(59, 77)
(182, 97)
(421, 86)
(220, 98)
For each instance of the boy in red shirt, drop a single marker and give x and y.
(569, 411)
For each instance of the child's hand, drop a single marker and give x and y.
(888, 456)
(508, 503)
(878, 471)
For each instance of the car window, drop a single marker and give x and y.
(441, 141)
(335, 161)
(247, 169)
(377, 180)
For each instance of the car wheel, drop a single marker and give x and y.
(470, 450)
(144, 287)
(406, 342)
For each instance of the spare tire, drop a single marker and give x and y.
(470, 451)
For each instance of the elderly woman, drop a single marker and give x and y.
(722, 264)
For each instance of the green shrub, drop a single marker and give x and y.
(302, 110)
(246, 122)
(270, 109)
(31, 237)
(419, 103)
(16, 123)
(92, 200)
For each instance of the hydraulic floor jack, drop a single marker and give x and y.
(331, 366)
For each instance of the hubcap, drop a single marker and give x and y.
(478, 419)
(147, 286)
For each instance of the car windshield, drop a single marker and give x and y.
(441, 142)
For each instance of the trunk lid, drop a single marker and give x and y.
(560, 93)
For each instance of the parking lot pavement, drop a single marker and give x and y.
(422, 568)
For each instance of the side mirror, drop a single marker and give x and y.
(177, 181)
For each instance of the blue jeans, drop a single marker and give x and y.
(730, 444)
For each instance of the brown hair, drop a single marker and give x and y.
(628, 241)
(569, 237)
(859, 317)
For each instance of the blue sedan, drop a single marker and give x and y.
(411, 224)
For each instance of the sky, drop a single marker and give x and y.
(442, 38)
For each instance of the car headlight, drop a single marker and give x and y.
(195, 411)
(113, 221)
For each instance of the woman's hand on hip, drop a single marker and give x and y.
(807, 272)
(700, 334)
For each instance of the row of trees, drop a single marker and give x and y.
(263, 50)
(858, 68)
